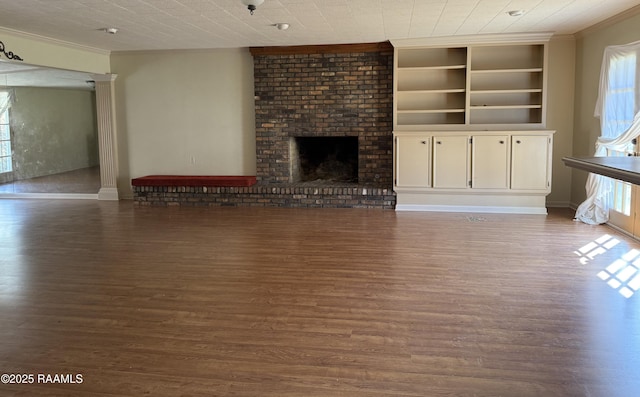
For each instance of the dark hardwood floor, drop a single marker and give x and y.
(314, 302)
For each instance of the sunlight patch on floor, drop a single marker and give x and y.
(623, 274)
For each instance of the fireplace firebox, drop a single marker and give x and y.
(324, 159)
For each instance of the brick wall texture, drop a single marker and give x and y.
(322, 95)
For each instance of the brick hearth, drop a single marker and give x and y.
(289, 195)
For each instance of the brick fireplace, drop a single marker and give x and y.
(324, 91)
(338, 96)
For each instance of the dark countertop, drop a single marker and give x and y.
(626, 169)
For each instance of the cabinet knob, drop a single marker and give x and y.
(423, 142)
(502, 142)
(518, 142)
(439, 142)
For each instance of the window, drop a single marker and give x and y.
(620, 103)
(617, 107)
(5, 136)
(619, 111)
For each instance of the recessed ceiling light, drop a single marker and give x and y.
(282, 26)
(515, 13)
(111, 30)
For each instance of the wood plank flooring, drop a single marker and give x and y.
(314, 302)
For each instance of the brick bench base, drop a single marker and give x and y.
(266, 195)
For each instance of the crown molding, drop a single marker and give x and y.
(49, 40)
(475, 39)
(565, 37)
(180, 51)
(633, 11)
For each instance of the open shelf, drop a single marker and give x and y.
(415, 119)
(519, 98)
(430, 100)
(478, 84)
(512, 80)
(432, 58)
(516, 114)
(501, 57)
(431, 79)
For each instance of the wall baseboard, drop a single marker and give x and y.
(108, 193)
(70, 196)
(475, 209)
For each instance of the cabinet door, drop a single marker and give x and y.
(413, 161)
(490, 162)
(451, 162)
(530, 162)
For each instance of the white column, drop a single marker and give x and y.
(106, 115)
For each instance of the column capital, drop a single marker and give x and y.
(104, 77)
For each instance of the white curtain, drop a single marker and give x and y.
(614, 136)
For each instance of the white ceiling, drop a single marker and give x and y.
(197, 24)
(188, 24)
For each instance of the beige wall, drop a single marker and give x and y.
(37, 50)
(184, 113)
(590, 46)
(560, 97)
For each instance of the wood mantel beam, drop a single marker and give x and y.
(322, 49)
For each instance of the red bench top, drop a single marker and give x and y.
(194, 180)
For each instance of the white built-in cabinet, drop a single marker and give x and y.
(413, 157)
(515, 161)
(450, 161)
(529, 152)
(491, 158)
(469, 123)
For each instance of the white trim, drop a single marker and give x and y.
(106, 117)
(108, 77)
(558, 204)
(71, 196)
(108, 193)
(475, 39)
(475, 209)
(180, 51)
(50, 40)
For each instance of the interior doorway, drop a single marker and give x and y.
(51, 132)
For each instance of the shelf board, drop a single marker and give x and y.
(418, 111)
(422, 68)
(442, 91)
(493, 71)
(514, 91)
(492, 107)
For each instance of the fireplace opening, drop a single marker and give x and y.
(324, 159)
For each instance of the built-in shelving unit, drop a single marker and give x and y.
(500, 82)
(469, 124)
